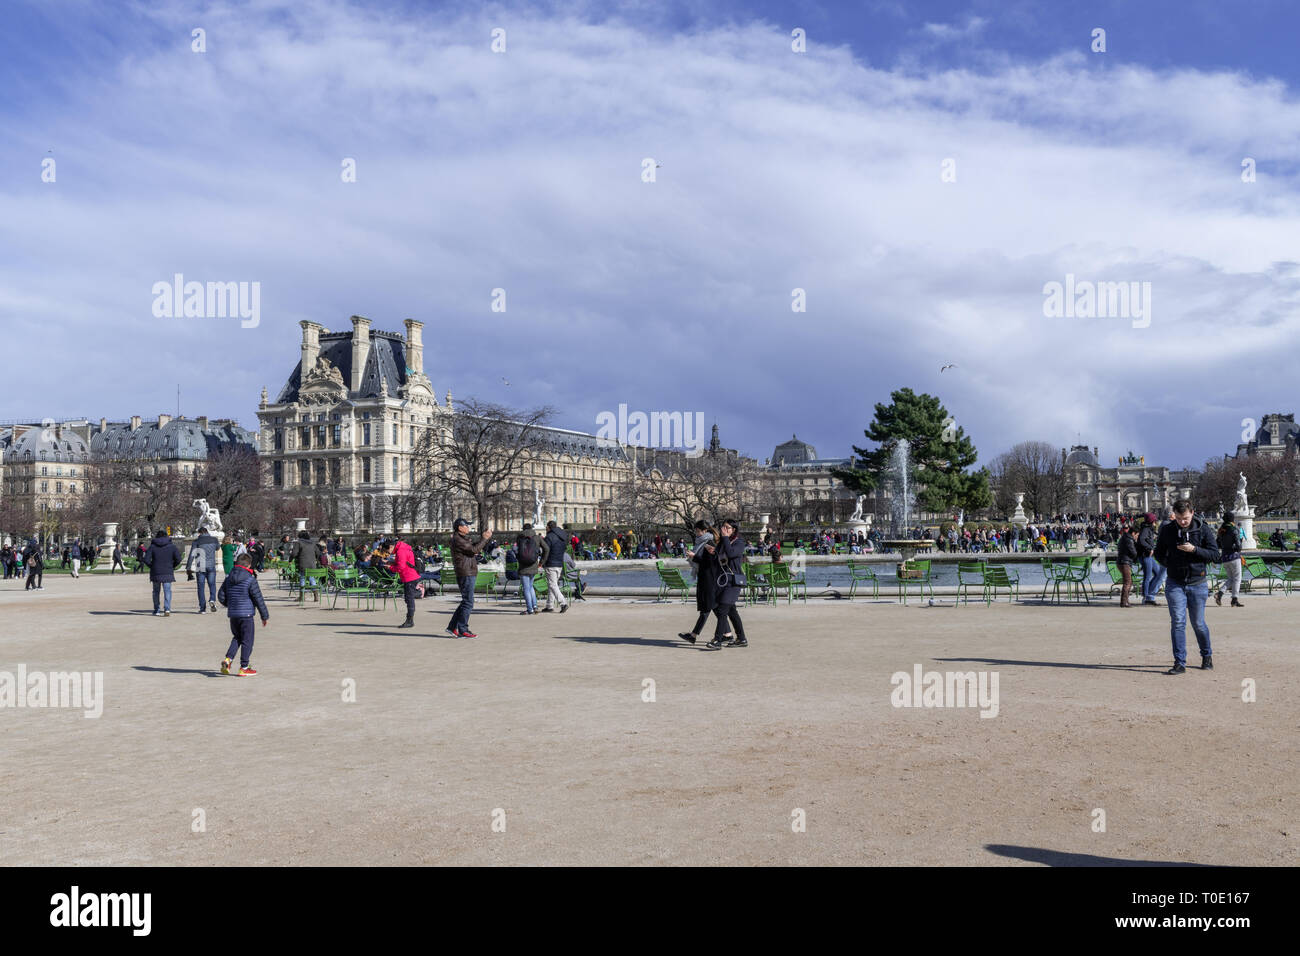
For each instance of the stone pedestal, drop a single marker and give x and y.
(301, 524)
(110, 539)
(1020, 519)
(860, 528)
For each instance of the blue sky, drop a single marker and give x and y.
(780, 170)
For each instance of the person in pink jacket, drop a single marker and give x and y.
(404, 567)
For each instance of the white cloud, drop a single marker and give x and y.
(522, 171)
(945, 32)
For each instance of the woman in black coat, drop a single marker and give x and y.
(706, 587)
(726, 562)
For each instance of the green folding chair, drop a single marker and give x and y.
(860, 573)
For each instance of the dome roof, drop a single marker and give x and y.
(1081, 455)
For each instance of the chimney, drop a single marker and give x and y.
(58, 432)
(414, 346)
(203, 422)
(135, 422)
(360, 350)
(310, 345)
(1095, 453)
(163, 419)
(103, 425)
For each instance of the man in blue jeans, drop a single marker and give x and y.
(202, 563)
(1152, 573)
(1183, 547)
(464, 558)
(162, 559)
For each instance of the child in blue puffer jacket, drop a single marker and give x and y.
(241, 596)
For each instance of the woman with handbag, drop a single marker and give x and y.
(727, 564)
(706, 587)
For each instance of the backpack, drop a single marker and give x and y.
(526, 547)
(418, 561)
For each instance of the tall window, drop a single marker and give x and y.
(395, 461)
(320, 436)
(337, 436)
(320, 472)
(365, 434)
(335, 468)
(279, 439)
(395, 439)
(277, 472)
(304, 438)
(304, 473)
(365, 469)
(412, 436)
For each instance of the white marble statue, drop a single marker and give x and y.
(538, 501)
(857, 512)
(208, 518)
(1241, 492)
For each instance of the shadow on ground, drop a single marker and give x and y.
(633, 641)
(178, 670)
(1140, 668)
(1034, 854)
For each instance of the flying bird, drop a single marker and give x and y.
(946, 367)
(504, 379)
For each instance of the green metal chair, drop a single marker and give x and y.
(1259, 571)
(571, 582)
(447, 579)
(1054, 575)
(1117, 578)
(999, 577)
(384, 585)
(860, 573)
(484, 582)
(1075, 577)
(970, 574)
(922, 580)
(347, 582)
(314, 584)
(758, 586)
(781, 579)
(1291, 578)
(670, 581)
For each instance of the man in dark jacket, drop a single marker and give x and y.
(162, 559)
(1183, 547)
(240, 596)
(553, 546)
(1229, 541)
(202, 563)
(464, 558)
(304, 554)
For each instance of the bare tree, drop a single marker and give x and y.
(1273, 483)
(232, 475)
(477, 452)
(710, 487)
(1035, 468)
(152, 493)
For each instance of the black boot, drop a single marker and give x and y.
(409, 622)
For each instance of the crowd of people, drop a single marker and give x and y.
(1172, 550)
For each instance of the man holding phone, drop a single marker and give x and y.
(1183, 547)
